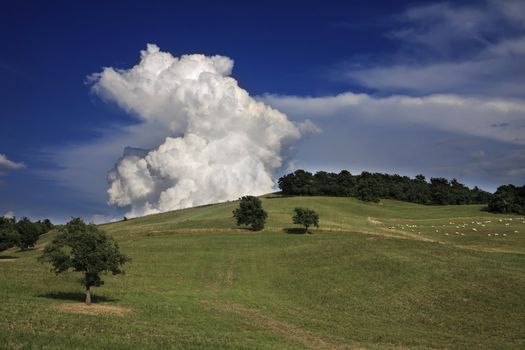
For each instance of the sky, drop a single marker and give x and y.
(111, 108)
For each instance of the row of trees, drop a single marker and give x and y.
(22, 234)
(372, 187)
(251, 213)
(508, 199)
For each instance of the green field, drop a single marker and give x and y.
(390, 275)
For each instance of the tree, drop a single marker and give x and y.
(46, 225)
(508, 199)
(9, 237)
(368, 188)
(250, 212)
(306, 217)
(29, 233)
(86, 249)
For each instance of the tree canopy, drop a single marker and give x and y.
(250, 212)
(508, 199)
(23, 234)
(9, 237)
(372, 187)
(29, 232)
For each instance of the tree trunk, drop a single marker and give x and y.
(88, 295)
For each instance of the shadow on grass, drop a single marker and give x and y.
(75, 296)
(279, 196)
(8, 257)
(295, 230)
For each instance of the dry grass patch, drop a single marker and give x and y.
(93, 309)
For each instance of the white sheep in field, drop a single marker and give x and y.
(474, 229)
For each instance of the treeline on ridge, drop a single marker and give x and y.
(372, 187)
(22, 234)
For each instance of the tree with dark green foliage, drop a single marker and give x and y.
(29, 233)
(368, 188)
(372, 187)
(508, 199)
(306, 217)
(46, 225)
(250, 212)
(9, 236)
(86, 249)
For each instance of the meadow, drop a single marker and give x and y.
(388, 275)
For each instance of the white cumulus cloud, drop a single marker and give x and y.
(222, 143)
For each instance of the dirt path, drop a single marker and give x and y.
(93, 309)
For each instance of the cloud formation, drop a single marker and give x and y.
(467, 115)
(476, 49)
(222, 143)
(479, 141)
(9, 165)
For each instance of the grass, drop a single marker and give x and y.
(374, 276)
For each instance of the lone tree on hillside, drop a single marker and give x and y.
(306, 217)
(87, 249)
(250, 212)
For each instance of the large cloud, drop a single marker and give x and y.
(498, 119)
(222, 143)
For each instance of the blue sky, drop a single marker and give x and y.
(393, 86)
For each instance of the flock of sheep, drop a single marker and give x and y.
(508, 223)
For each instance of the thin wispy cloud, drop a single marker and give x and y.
(8, 165)
(453, 48)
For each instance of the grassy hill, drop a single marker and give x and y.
(378, 276)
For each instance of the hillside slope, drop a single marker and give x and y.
(374, 276)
